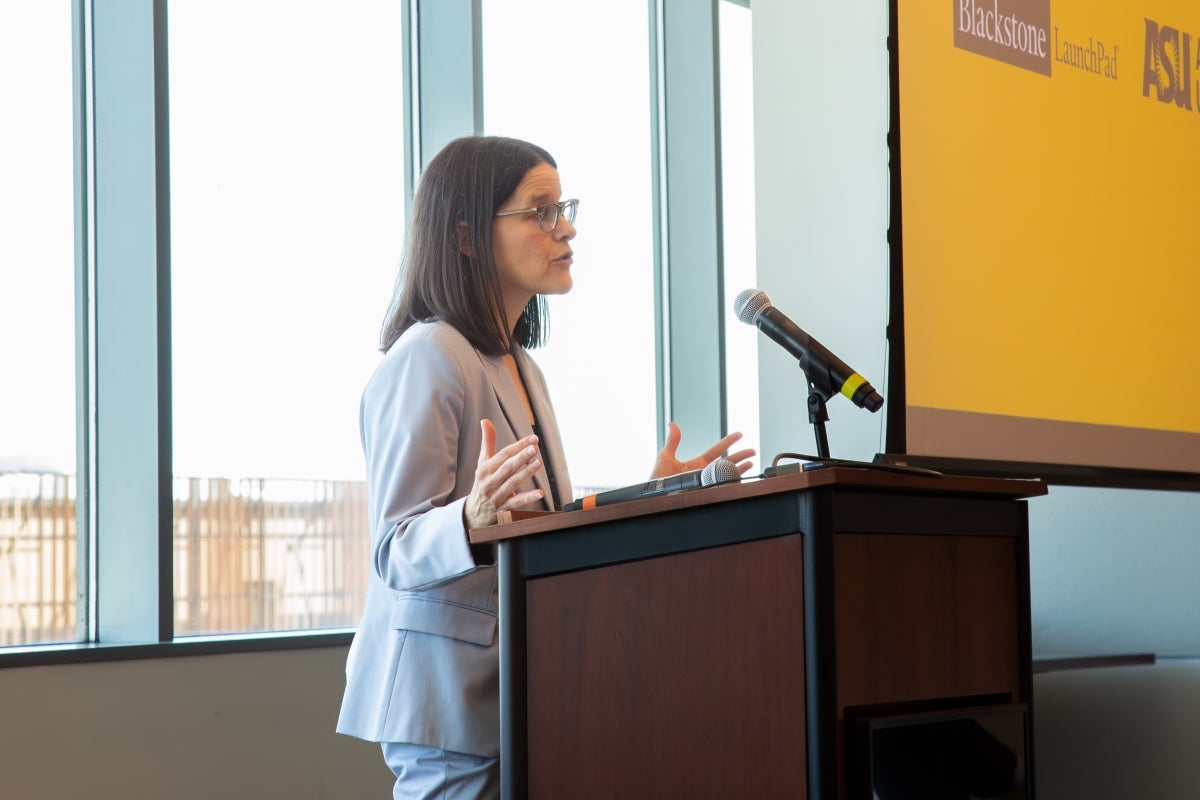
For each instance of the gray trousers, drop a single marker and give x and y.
(426, 773)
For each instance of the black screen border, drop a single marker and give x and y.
(895, 421)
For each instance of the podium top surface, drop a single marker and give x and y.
(849, 478)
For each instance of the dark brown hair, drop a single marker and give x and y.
(452, 214)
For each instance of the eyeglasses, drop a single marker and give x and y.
(548, 213)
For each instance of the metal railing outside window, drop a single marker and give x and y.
(250, 555)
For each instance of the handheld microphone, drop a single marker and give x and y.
(720, 471)
(822, 367)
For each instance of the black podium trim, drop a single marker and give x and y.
(646, 537)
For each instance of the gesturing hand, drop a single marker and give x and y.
(668, 464)
(497, 477)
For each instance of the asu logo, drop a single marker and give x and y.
(1168, 65)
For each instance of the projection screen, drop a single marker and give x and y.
(1046, 231)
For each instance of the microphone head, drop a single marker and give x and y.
(720, 471)
(749, 304)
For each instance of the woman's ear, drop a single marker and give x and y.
(464, 240)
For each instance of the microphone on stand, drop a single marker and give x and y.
(717, 472)
(823, 369)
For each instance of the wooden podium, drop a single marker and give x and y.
(706, 644)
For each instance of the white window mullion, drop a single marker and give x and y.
(689, 113)
(132, 339)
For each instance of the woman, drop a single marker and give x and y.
(456, 426)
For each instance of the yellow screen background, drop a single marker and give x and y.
(1051, 248)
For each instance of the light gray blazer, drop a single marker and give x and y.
(424, 665)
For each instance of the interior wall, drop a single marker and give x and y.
(1113, 571)
(254, 726)
(820, 121)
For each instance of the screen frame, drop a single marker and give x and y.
(895, 438)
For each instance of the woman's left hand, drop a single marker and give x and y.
(668, 463)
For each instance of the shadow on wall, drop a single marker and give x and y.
(1118, 732)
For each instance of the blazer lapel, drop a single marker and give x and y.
(506, 395)
(514, 413)
(553, 457)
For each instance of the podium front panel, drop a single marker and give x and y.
(676, 676)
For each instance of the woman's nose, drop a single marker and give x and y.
(564, 230)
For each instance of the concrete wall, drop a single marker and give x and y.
(253, 726)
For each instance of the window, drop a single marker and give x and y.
(737, 183)
(286, 135)
(585, 97)
(39, 576)
(287, 217)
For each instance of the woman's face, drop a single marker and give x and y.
(530, 260)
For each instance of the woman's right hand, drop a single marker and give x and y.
(497, 477)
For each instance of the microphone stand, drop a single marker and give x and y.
(820, 389)
(818, 415)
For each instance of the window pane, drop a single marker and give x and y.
(737, 181)
(287, 196)
(37, 326)
(594, 118)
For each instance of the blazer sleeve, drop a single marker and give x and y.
(413, 434)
